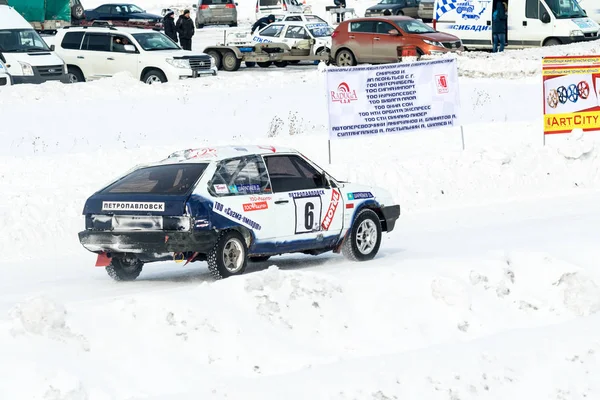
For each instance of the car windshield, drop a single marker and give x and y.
(389, 2)
(565, 9)
(174, 179)
(414, 26)
(320, 30)
(155, 41)
(21, 41)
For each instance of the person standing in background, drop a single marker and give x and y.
(498, 27)
(169, 25)
(185, 29)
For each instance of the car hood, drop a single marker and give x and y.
(439, 37)
(378, 7)
(352, 192)
(177, 53)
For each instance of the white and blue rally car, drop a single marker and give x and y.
(228, 205)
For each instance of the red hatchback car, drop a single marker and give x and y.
(379, 40)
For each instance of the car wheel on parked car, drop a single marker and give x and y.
(121, 269)
(364, 237)
(75, 74)
(154, 76)
(229, 256)
(345, 58)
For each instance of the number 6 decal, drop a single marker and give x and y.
(308, 214)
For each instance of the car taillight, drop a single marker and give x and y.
(204, 7)
(229, 5)
(284, 6)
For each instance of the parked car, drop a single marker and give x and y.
(266, 7)
(227, 205)
(394, 7)
(378, 40)
(291, 33)
(295, 17)
(5, 79)
(98, 52)
(216, 12)
(27, 57)
(426, 10)
(123, 14)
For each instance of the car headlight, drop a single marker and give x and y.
(27, 69)
(65, 71)
(178, 63)
(433, 43)
(212, 62)
(576, 33)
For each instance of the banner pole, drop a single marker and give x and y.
(329, 148)
(462, 136)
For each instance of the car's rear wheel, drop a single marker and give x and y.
(259, 259)
(364, 238)
(281, 64)
(345, 58)
(124, 269)
(154, 76)
(75, 74)
(264, 64)
(229, 256)
(250, 64)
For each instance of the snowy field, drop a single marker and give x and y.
(487, 289)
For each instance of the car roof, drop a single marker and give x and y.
(388, 17)
(106, 29)
(217, 153)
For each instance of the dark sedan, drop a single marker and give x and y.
(410, 8)
(119, 13)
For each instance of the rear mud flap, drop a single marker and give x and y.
(103, 260)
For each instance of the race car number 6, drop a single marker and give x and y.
(308, 214)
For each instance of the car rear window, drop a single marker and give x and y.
(176, 179)
(216, 2)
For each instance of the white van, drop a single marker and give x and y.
(28, 58)
(531, 23)
(591, 8)
(266, 7)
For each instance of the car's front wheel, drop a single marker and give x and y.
(229, 256)
(364, 238)
(154, 76)
(121, 269)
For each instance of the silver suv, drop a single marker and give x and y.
(215, 12)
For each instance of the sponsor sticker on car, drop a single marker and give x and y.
(360, 195)
(221, 189)
(260, 205)
(132, 206)
(307, 193)
(335, 199)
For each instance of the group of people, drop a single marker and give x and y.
(184, 28)
(499, 25)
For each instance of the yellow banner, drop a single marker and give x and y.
(589, 120)
(571, 60)
(571, 71)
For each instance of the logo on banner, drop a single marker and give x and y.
(442, 83)
(343, 94)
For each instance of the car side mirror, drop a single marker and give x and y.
(52, 47)
(195, 6)
(546, 18)
(584, 13)
(129, 48)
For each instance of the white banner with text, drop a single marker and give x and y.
(392, 98)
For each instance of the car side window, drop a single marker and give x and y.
(532, 9)
(273, 30)
(72, 40)
(119, 42)
(296, 32)
(240, 176)
(103, 9)
(96, 42)
(384, 27)
(362, 27)
(291, 172)
(294, 18)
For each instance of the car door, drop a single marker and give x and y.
(70, 47)
(94, 52)
(294, 34)
(120, 60)
(242, 196)
(385, 44)
(360, 39)
(309, 212)
(269, 34)
(529, 30)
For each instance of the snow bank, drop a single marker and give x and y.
(274, 325)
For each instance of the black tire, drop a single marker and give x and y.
(218, 59)
(552, 42)
(233, 24)
(366, 221)
(400, 12)
(199, 26)
(281, 64)
(264, 64)
(77, 12)
(345, 58)
(231, 62)
(223, 261)
(250, 64)
(154, 76)
(124, 270)
(259, 259)
(75, 74)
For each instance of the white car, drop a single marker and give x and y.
(295, 17)
(291, 33)
(227, 205)
(5, 79)
(97, 52)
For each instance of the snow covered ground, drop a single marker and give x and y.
(489, 288)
